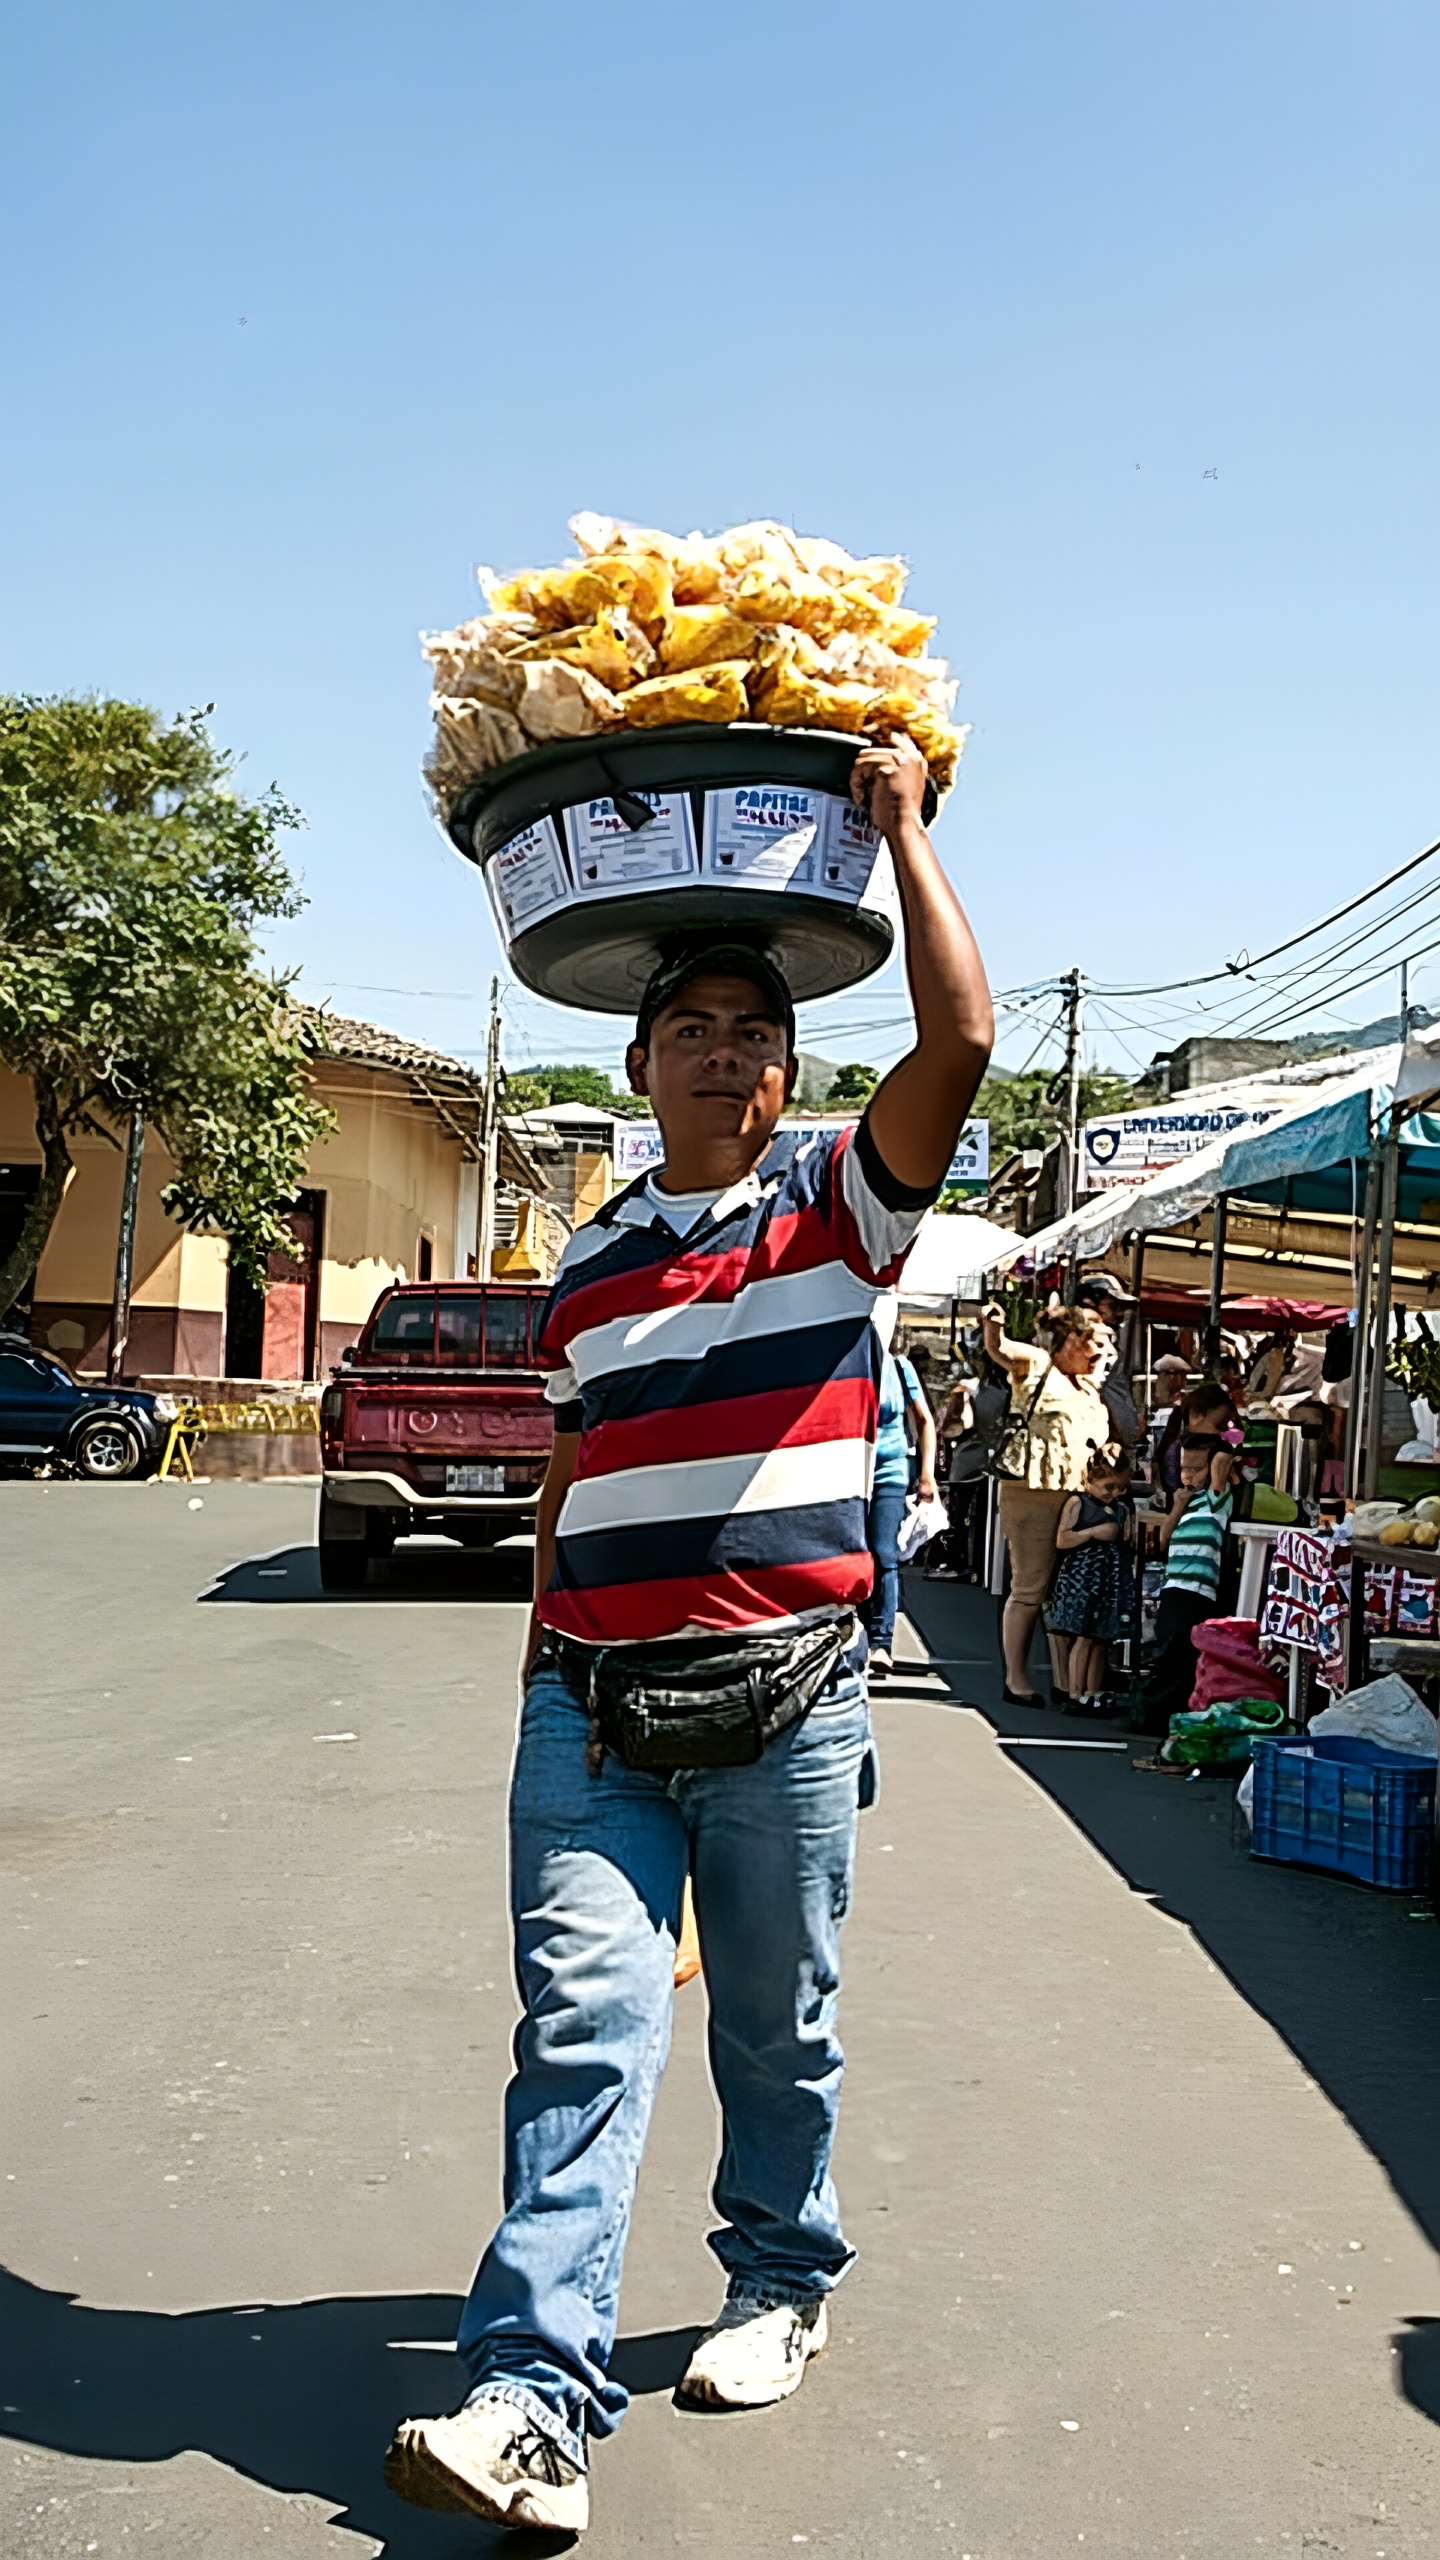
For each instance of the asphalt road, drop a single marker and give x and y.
(1129, 2280)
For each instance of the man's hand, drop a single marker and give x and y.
(888, 783)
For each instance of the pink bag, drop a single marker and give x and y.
(1230, 1665)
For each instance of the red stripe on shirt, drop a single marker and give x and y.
(803, 1241)
(637, 1612)
(732, 1427)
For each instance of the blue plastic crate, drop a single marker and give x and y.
(1328, 1800)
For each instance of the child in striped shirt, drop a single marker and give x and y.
(1192, 1540)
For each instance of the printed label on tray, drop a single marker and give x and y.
(881, 896)
(765, 834)
(848, 848)
(607, 855)
(527, 877)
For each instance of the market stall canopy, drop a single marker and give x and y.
(1333, 1104)
(1288, 1315)
(1315, 1160)
(950, 1257)
(1418, 1083)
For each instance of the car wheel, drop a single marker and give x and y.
(107, 1449)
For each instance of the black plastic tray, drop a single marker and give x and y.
(695, 755)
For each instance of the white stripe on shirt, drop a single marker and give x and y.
(787, 1303)
(785, 1479)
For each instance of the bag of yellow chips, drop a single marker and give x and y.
(612, 647)
(701, 693)
(647, 628)
(693, 563)
(697, 635)
(790, 699)
(565, 702)
(470, 737)
(473, 661)
(558, 597)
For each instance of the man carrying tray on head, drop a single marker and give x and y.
(695, 1694)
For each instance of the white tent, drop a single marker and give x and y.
(950, 1257)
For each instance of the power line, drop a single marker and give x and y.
(1237, 968)
(1333, 995)
(1291, 982)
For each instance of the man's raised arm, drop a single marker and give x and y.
(917, 1113)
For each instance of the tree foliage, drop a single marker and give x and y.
(133, 875)
(852, 1087)
(1028, 1110)
(534, 1088)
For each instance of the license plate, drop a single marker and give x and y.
(474, 1479)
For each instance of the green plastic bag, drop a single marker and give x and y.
(1212, 1737)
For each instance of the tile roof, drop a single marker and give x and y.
(368, 1044)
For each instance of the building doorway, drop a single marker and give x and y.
(274, 1332)
(18, 1186)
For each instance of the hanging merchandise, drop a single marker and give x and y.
(659, 735)
(1338, 1358)
(1414, 1359)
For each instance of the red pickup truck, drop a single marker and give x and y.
(436, 1420)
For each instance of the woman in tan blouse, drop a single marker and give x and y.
(1066, 1419)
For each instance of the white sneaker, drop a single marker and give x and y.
(488, 2461)
(880, 1659)
(755, 2355)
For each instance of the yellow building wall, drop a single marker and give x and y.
(390, 1171)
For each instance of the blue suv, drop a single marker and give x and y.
(99, 1431)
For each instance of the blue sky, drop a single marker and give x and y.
(1118, 319)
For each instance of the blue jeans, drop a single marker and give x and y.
(597, 1873)
(882, 1531)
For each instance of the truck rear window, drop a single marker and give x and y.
(460, 1330)
(507, 1333)
(405, 1329)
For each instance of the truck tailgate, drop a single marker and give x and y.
(443, 1420)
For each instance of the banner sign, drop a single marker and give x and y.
(638, 1148)
(1134, 1144)
(970, 1163)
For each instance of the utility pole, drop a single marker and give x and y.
(125, 1247)
(1384, 1271)
(1069, 1182)
(489, 1136)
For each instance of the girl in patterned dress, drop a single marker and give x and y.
(1094, 1590)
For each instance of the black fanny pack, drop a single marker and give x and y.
(700, 1702)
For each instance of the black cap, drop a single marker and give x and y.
(717, 954)
(1103, 1284)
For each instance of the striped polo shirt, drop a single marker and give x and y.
(724, 1382)
(1193, 1557)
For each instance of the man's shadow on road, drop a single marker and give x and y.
(302, 2397)
(1335, 1967)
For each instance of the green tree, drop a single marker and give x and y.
(1027, 1111)
(852, 1087)
(132, 877)
(534, 1088)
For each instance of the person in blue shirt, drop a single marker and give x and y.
(904, 1462)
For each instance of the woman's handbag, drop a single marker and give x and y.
(1011, 1462)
